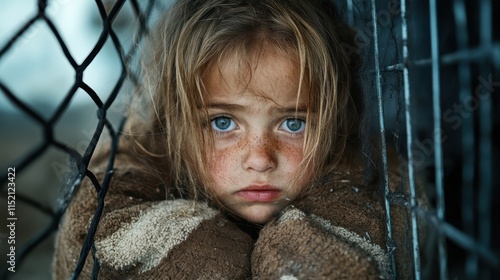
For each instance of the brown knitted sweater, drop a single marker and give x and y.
(336, 230)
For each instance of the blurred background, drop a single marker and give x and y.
(35, 70)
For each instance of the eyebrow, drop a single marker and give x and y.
(301, 108)
(226, 106)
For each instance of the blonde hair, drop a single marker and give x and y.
(196, 34)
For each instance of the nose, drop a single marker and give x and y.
(260, 154)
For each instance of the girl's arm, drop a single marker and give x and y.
(141, 235)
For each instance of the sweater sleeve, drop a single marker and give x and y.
(336, 230)
(141, 235)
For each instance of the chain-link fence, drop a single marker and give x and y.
(431, 77)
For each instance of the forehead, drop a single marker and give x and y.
(271, 75)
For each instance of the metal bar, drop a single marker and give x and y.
(395, 67)
(438, 152)
(409, 144)
(383, 144)
(350, 12)
(465, 55)
(468, 152)
(460, 238)
(485, 145)
(470, 54)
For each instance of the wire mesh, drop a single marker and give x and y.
(108, 12)
(434, 80)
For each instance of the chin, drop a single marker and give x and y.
(258, 214)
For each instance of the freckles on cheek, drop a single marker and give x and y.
(293, 154)
(220, 162)
(224, 159)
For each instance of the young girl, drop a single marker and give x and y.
(246, 165)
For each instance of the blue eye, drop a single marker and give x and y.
(293, 125)
(223, 124)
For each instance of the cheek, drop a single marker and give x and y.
(224, 158)
(224, 162)
(220, 162)
(291, 155)
(221, 166)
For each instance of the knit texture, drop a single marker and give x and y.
(335, 230)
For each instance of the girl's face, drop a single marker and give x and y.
(258, 124)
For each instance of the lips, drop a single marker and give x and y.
(259, 193)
